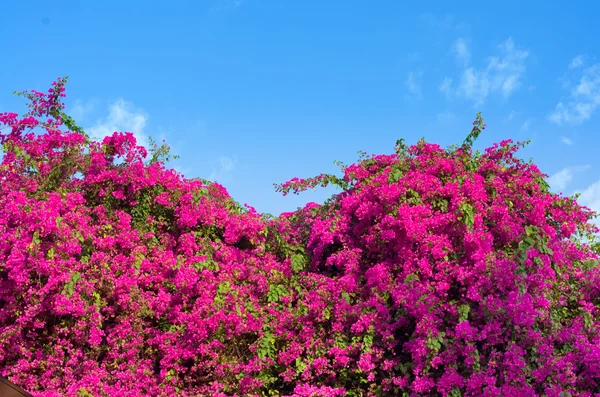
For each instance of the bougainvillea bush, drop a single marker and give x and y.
(435, 272)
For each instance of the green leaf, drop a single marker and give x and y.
(455, 392)
(36, 237)
(300, 366)
(299, 261)
(222, 290)
(84, 393)
(463, 312)
(276, 292)
(69, 287)
(266, 345)
(367, 342)
(468, 215)
(395, 176)
(411, 277)
(137, 264)
(528, 241)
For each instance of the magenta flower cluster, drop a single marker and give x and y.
(435, 272)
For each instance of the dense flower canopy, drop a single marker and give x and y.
(435, 272)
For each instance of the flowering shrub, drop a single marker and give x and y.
(433, 273)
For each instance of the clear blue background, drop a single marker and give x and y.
(255, 92)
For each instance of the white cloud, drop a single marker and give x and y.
(413, 84)
(501, 75)
(525, 125)
(446, 87)
(446, 116)
(511, 116)
(590, 197)
(121, 118)
(566, 140)
(226, 165)
(576, 62)
(584, 99)
(563, 178)
(80, 110)
(461, 51)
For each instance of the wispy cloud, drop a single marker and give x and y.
(576, 62)
(525, 125)
(122, 117)
(502, 74)
(511, 116)
(413, 84)
(461, 51)
(590, 197)
(225, 167)
(81, 110)
(563, 178)
(446, 117)
(566, 140)
(446, 87)
(584, 99)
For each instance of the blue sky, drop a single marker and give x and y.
(255, 92)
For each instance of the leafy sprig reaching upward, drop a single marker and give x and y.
(51, 105)
(298, 185)
(478, 127)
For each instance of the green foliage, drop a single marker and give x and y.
(159, 154)
(84, 393)
(68, 289)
